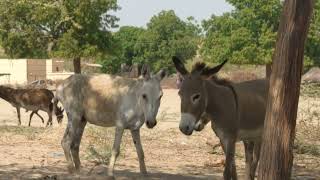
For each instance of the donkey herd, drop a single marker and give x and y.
(236, 110)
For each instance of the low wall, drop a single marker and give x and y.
(59, 76)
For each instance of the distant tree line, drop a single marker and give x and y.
(82, 29)
(247, 35)
(166, 35)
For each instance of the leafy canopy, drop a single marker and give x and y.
(166, 35)
(247, 35)
(39, 28)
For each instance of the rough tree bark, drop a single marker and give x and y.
(279, 130)
(77, 65)
(268, 70)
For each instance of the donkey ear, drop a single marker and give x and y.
(145, 72)
(214, 70)
(179, 66)
(161, 74)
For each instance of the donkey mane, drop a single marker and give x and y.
(202, 67)
(221, 81)
(199, 67)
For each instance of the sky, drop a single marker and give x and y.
(139, 12)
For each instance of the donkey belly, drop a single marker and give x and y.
(106, 119)
(250, 134)
(30, 107)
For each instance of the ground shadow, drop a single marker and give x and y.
(14, 171)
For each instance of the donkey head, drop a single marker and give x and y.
(193, 94)
(59, 114)
(150, 95)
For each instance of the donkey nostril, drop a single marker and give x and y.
(155, 123)
(187, 128)
(148, 124)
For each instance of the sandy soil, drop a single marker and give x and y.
(35, 152)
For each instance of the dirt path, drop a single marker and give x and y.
(35, 152)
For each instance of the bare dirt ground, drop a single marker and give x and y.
(35, 152)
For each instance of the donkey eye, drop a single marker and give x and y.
(144, 96)
(195, 97)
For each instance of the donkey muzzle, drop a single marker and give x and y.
(187, 123)
(151, 124)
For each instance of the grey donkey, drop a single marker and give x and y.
(107, 100)
(236, 112)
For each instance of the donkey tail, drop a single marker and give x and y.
(58, 111)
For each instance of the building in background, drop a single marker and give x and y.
(24, 71)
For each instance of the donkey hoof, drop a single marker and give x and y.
(144, 172)
(71, 169)
(110, 174)
(111, 177)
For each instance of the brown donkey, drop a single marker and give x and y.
(236, 112)
(33, 100)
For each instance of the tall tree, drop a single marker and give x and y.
(68, 29)
(167, 35)
(124, 41)
(245, 36)
(87, 32)
(21, 33)
(279, 129)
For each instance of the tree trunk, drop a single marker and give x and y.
(279, 128)
(77, 65)
(268, 70)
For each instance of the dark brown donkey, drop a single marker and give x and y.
(33, 100)
(236, 112)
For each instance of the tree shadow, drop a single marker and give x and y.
(14, 171)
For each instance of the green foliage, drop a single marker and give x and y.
(124, 42)
(245, 36)
(312, 48)
(87, 23)
(69, 29)
(111, 64)
(167, 35)
(21, 33)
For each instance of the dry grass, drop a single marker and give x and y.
(308, 124)
(100, 141)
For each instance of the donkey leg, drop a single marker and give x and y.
(230, 171)
(78, 127)
(234, 172)
(137, 142)
(66, 143)
(248, 147)
(115, 149)
(40, 117)
(256, 156)
(31, 117)
(50, 118)
(19, 118)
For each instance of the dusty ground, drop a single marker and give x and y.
(35, 152)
